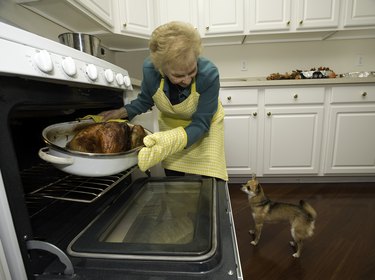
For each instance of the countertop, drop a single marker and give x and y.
(262, 81)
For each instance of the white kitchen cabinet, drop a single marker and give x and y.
(262, 18)
(181, 10)
(223, 17)
(351, 131)
(137, 18)
(286, 16)
(102, 9)
(240, 129)
(359, 13)
(293, 127)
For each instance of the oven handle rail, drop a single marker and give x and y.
(45, 246)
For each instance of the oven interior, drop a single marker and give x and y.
(73, 227)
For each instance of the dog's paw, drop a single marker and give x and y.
(296, 255)
(292, 243)
(254, 243)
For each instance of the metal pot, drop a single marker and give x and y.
(78, 163)
(82, 42)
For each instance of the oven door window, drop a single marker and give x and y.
(162, 218)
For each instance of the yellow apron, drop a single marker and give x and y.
(205, 157)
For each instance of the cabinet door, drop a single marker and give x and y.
(103, 9)
(181, 10)
(137, 17)
(263, 18)
(359, 13)
(351, 140)
(317, 14)
(292, 140)
(223, 16)
(240, 130)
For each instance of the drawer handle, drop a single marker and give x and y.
(255, 114)
(364, 94)
(269, 113)
(229, 98)
(295, 96)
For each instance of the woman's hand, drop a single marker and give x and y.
(120, 113)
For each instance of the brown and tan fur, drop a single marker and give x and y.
(301, 217)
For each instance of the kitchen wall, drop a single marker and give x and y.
(263, 59)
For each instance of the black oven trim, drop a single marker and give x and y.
(87, 243)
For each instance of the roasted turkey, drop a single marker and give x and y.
(107, 137)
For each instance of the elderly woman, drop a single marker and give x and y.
(185, 89)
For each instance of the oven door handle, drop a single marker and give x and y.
(45, 246)
(43, 154)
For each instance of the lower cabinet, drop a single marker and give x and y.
(351, 134)
(240, 140)
(290, 130)
(292, 140)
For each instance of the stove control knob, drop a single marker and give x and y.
(92, 72)
(109, 76)
(69, 66)
(43, 61)
(119, 79)
(127, 81)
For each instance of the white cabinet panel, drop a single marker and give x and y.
(317, 14)
(292, 140)
(359, 13)
(351, 140)
(223, 16)
(181, 10)
(240, 130)
(103, 9)
(262, 17)
(137, 17)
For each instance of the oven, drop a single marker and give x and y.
(55, 225)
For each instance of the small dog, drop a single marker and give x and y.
(301, 217)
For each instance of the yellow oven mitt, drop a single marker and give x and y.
(160, 145)
(98, 118)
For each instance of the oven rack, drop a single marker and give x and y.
(45, 181)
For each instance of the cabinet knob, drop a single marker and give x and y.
(301, 22)
(269, 113)
(364, 94)
(288, 22)
(255, 114)
(207, 28)
(229, 98)
(295, 96)
(125, 24)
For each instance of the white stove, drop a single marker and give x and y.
(27, 54)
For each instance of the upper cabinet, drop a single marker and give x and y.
(136, 17)
(223, 16)
(262, 18)
(102, 9)
(290, 15)
(317, 14)
(181, 10)
(359, 13)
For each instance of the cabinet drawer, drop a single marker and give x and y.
(294, 95)
(238, 96)
(365, 93)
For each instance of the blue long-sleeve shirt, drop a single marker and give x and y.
(207, 85)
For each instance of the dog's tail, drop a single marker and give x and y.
(309, 209)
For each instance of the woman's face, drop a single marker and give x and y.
(182, 75)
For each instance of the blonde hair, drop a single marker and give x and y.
(174, 43)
